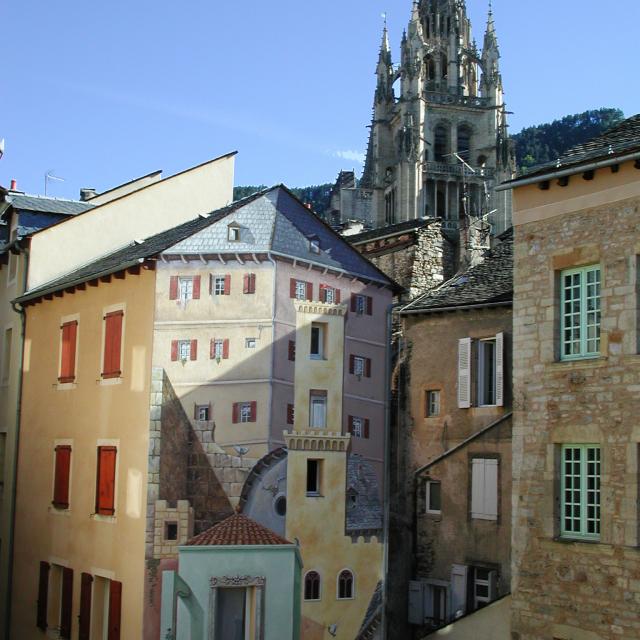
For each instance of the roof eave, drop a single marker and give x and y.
(460, 307)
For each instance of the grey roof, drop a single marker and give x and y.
(489, 282)
(366, 514)
(373, 615)
(23, 202)
(390, 230)
(270, 212)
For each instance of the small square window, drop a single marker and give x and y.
(218, 285)
(250, 343)
(433, 404)
(233, 233)
(184, 349)
(202, 412)
(170, 530)
(434, 497)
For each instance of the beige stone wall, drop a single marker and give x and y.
(182, 516)
(562, 589)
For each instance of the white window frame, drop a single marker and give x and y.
(490, 583)
(428, 508)
(199, 409)
(185, 288)
(318, 491)
(314, 245)
(301, 290)
(357, 426)
(319, 400)
(184, 350)
(329, 295)
(361, 304)
(321, 327)
(233, 233)
(359, 364)
(485, 474)
(218, 285)
(483, 365)
(244, 413)
(218, 349)
(250, 343)
(433, 403)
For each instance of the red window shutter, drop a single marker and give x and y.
(173, 288)
(194, 350)
(366, 428)
(111, 367)
(350, 425)
(292, 350)
(61, 478)
(174, 350)
(254, 411)
(292, 288)
(115, 600)
(106, 481)
(352, 364)
(367, 367)
(290, 414)
(210, 284)
(84, 618)
(212, 348)
(337, 296)
(323, 293)
(225, 349)
(236, 413)
(68, 360)
(66, 603)
(252, 283)
(43, 596)
(309, 291)
(196, 287)
(369, 306)
(245, 283)
(227, 285)
(354, 302)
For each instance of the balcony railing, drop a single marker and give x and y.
(438, 97)
(444, 168)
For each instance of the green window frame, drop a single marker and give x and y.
(580, 313)
(580, 491)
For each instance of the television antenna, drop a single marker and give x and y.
(1, 147)
(48, 176)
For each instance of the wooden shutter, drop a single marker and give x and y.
(354, 302)
(292, 350)
(210, 284)
(309, 290)
(416, 602)
(464, 373)
(61, 477)
(84, 618)
(245, 283)
(112, 344)
(196, 287)
(290, 414)
(337, 296)
(66, 602)
(174, 350)
(477, 488)
(366, 428)
(367, 367)
(323, 293)
(115, 604)
(458, 590)
(106, 481)
(225, 349)
(254, 411)
(212, 349)
(352, 364)
(227, 284)
(249, 283)
(369, 306)
(292, 288)
(236, 413)
(68, 360)
(43, 596)
(484, 489)
(194, 350)
(173, 288)
(500, 369)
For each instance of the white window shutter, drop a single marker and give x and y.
(477, 488)
(458, 590)
(416, 602)
(464, 373)
(500, 369)
(491, 489)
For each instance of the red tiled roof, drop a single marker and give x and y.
(237, 530)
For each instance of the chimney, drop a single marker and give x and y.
(87, 194)
(307, 205)
(14, 185)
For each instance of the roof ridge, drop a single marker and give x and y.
(237, 530)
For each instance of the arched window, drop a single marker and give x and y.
(312, 586)
(445, 66)
(430, 67)
(464, 142)
(345, 585)
(441, 147)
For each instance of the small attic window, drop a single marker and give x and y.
(233, 232)
(314, 245)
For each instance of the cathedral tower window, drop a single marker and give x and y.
(441, 149)
(464, 142)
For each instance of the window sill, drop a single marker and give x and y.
(345, 599)
(433, 515)
(55, 511)
(587, 362)
(108, 382)
(314, 495)
(66, 386)
(567, 540)
(316, 357)
(100, 518)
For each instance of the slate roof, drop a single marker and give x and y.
(373, 615)
(237, 530)
(366, 515)
(489, 282)
(271, 220)
(23, 202)
(620, 140)
(389, 230)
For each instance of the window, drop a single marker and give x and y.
(360, 366)
(111, 366)
(292, 350)
(6, 355)
(291, 414)
(486, 372)
(249, 343)
(361, 305)
(314, 477)
(184, 288)
(202, 412)
(437, 595)
(580, 491)
(249, 283)
(312, 586)
(280, 505)
(184, 350)
(300, 290)
(345, 585)
(66, 600)
(330, 295)
(84, 615)
(432, 404)
(314, 245)
(318, 410)
(358, 427)
(245, 412)
(441, 147)
(170, 530)
(219, 349)
(318, 337)
(106, 481)
(233, 232)
(103, 618)
(484, 587)
(61, 476)
(580, 312)
(218, 285)
(390, 206)
(68, 352)
(43, 595)
(484, 488)
(434, 497)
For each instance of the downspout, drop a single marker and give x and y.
(273, 344)
(19, 309)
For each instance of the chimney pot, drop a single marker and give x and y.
(87, 193)
(14, 185)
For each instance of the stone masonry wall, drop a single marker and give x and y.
(563, 589)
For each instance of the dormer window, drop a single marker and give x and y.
(314, 245)
(233, 232)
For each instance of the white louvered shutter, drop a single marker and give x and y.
(458, 590)
(491, 489)
(464, 373)
(500, 369)
(477, 488)
(416, 602)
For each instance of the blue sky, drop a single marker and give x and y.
(101, 92)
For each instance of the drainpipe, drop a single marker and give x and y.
(23, 324)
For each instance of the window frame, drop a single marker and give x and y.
(69, 379)
(583, 326)
(321, 328)
(481, 372)
(304, 586)
(428, 508)
(198, 412)
(317, 397)
(62, 445)
(112, 312)
(218, 290)
(432, 408)
(181, 344)
(301, 290)
(352, 586)
(486, 514)
(317, 492)
(111, 445)
(185, 288)
(244, 413)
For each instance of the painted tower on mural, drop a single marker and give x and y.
(439, 147)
